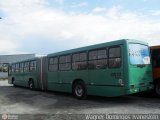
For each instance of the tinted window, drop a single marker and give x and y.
(26, 67)
(65, 59)
(75, 58)
(93, 55)
(102, 54)
(114, 57)
(53, 64)
(53, 60)
(114, 52)
(97, 59)
(79, 61)
(33, 66)
(65, 66)
(82, 56)
(17, 67)
(13, 68)
(79, 57)
(21, 67)
(65, 62)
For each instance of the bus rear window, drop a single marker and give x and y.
(139, 54)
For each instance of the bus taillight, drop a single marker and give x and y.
(142, 85)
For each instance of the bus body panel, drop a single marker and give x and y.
(140, 74)
(62, 81)
(108, 91)
(108, 81)
(65, 79)
(140, 78)
(22, 78)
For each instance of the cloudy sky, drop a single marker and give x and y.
(47, 26)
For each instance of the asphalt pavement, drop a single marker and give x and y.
(25, 104)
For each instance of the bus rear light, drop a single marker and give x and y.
(132, 86)
(142, 85)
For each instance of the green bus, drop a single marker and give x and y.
(109, 69)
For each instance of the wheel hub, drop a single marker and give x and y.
(79, 90)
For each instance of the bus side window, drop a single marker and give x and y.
(9, 69)
(53, 64)
(98, 59)
(26, 67)
(13, 68)
(21, 67)
(114, 57)
(92, 59)
(33, 66)
(17, 67)
(79, 61)
(65, 62)
(102, 61)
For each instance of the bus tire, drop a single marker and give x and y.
(13, 82)
(157, 89)
(31, 85)
(79, 90)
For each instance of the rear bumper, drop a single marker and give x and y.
(139, 89)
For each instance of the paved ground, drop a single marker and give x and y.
(50, 105)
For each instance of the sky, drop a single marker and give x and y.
(48, 26)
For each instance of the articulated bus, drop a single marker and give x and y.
(109, 69)
(155, 54)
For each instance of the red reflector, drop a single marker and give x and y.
(142, 84)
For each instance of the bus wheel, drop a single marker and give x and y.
(157, 88)
(31, 85)
(13, 82)
(79, 90)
